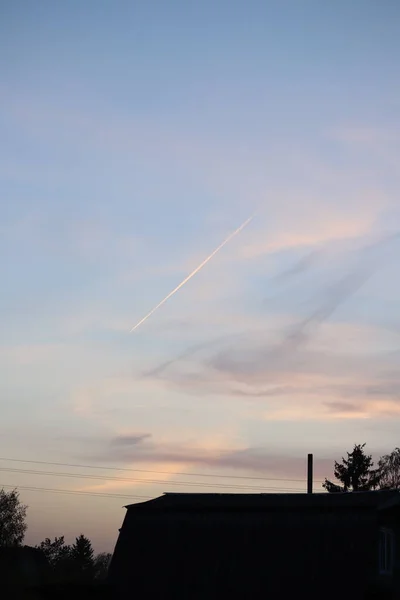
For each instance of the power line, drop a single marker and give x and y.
(78, 492)
(98, 494)
(145, 481)
(183, 474)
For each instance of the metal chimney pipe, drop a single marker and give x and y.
(310, 474)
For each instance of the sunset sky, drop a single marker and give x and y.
(135, 137)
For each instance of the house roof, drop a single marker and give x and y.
(188, 501)
(391, 503)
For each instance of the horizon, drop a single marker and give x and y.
(138, 138)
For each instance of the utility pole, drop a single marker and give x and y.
(310, 474)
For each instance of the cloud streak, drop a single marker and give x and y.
(299, 375)
(249, 459)
(340, 292)
(299, 268)
(192, 350)
(130, 440)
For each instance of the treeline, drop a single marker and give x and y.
(64, 563)
(76, 562)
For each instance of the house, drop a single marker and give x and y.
(21, 567)
(195, 546)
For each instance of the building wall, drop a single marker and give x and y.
(237, 554)
(391, 520)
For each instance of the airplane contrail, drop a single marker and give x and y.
(193, 273)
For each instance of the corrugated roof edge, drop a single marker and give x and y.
(187, 500)
(392, 502)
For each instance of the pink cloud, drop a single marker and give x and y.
(364, 135)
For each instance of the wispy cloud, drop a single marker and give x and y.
(362, 135)
(312, 375)
(130, 440)
(206, 454)
(310, 231)
(300, 267)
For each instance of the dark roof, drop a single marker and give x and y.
(188, 501)
(391, 503)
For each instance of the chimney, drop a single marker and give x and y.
(310, 474)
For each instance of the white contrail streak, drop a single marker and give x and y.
(193, 273)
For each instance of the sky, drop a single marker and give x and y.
(135, 138)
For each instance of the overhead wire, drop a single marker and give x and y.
(102, 494)
(180, 473)
(134, 480)
(77, 492)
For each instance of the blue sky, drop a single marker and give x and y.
(135, 138)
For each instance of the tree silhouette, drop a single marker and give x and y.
(82, 557)
(389, 467)
(55, 551)
(101, 564)
(355, 473)
(12, 519)
(58, 555)
(76, 563)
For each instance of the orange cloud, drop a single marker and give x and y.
(135, 480)
(330, 228)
